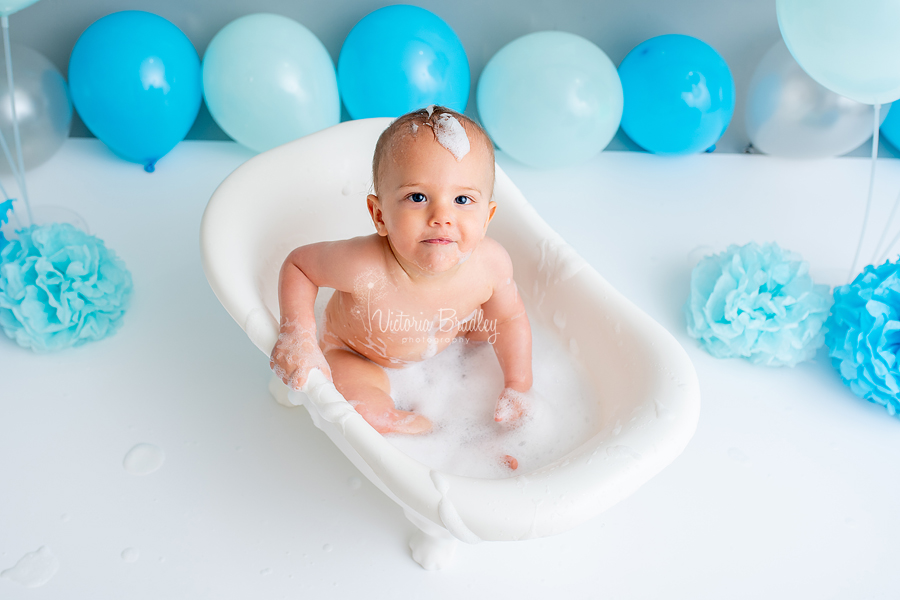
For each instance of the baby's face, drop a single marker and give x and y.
(433, 209)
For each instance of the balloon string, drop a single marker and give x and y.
(887, 226)
(6, 197)
(887, 250)
(862, 234)
(12, 167)
(15, 121)
(9, 158)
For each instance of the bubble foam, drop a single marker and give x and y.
(458, 391)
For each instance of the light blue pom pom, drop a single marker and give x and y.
(864, 335)
(757, 302)
(60, 287)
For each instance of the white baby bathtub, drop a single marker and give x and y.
(314, 189)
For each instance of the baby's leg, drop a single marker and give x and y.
(366, 386)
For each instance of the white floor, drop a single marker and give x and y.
(790, 488)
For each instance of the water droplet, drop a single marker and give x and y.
(266, 571)
(34, 569)
(130, 555)
(663, 413)
(143, 459)
(327, 547)
(559, 319)
(65, 518)
(622, 452)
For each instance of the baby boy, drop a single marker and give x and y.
(429, 276)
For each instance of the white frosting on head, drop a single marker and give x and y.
(430, 109)
(450, 134)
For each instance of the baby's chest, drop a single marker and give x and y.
(400, 313)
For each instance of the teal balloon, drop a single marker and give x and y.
(8, 7)
(679, 95)
(550, 99)
(851, 48)
(134, 78)
(400, 58)
(268, 80)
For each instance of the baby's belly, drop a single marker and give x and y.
(389, 338)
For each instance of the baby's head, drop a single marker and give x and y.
(456, 132)
(433, 174)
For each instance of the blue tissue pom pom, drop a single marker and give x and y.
(864, 335)
(60, 287)
(757, 302)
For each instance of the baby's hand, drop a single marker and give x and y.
(295, 354)
(511, 407)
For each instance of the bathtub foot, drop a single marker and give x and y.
(432, 547)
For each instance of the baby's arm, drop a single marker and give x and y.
(512, 342)
(305, 270)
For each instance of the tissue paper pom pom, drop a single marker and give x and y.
(758, 303)
(864, 335)
(60, 287)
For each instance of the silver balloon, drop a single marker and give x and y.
(789, 114)
(43, 107)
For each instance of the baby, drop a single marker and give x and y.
(427, 277)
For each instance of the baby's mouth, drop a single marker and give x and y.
(438, 241)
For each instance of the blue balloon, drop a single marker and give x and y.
(679, 95)
(890, 127)
(398, 59)
(134, 78)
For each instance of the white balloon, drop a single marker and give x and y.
(790, 114)
(43, 107)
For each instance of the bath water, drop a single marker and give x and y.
(458, 391)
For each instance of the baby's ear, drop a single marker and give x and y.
(374, 206)
(492, 208)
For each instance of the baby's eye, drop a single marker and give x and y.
(417, 197)
(463, 200)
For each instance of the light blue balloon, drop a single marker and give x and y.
(851, 48)
(268, 80)
(400, 58)
(679, 95)
(134, 78)
(8, 7)
(550, 99)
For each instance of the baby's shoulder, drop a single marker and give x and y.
(344, 260)
(363, 247)
(495, 258)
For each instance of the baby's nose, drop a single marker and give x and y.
(441, 215)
